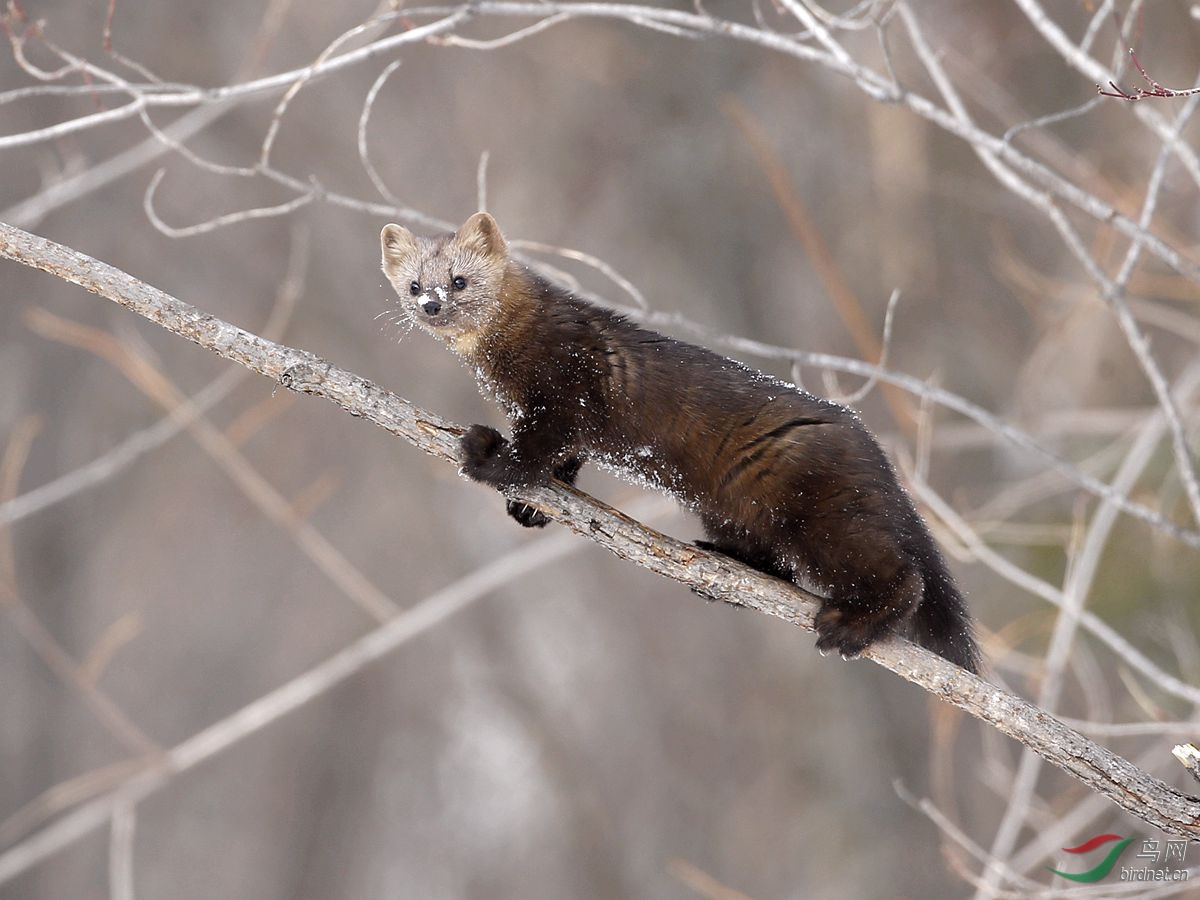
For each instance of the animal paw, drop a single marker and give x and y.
(847, 634)
(527, 515)
(481, 448)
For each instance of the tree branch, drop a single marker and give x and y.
(1142, 795)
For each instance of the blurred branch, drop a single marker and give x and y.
(120, 457)
(111, 640)
(120, 853)
(953, 833)
(152, 95)
(1113, 289)
(879, 87)
(30, 627)
(1080, 574)
(363, 118)
(66, 794)
(448, 18)
(330, 561)
(29, 212)
(1077, 57)
(272, 706)
(701, 882)
(999, 564)
(822, 258)
(124, 454)
(1142, 795)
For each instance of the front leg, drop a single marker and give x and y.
(487, 457)
(526, 461)
(544, 436)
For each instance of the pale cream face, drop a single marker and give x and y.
(448, 286)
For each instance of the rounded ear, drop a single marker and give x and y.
(398, 244)
(480, 232)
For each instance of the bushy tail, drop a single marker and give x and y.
(941, 622)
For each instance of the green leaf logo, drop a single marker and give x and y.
(1105, 867)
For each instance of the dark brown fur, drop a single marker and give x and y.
(784, 481)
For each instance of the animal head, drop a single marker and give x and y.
(450, 286)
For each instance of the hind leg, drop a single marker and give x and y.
(761, 560)
(741, 548)
(757, 554)
(857, 615)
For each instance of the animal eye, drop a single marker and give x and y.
(459, 282)
(414, 288)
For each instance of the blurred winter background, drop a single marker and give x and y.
(583, 728)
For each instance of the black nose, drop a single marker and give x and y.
(431, 307)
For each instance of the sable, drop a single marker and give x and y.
(788, 483)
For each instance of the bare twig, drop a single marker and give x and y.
(110, 642)
(374, 24)
(1156, 89)
(1189, 758)
(955, 834)
(594, 262)
(364, 117)
(260, 212)
(885, 345)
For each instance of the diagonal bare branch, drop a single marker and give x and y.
(1141, 794)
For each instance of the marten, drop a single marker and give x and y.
(788, 483)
